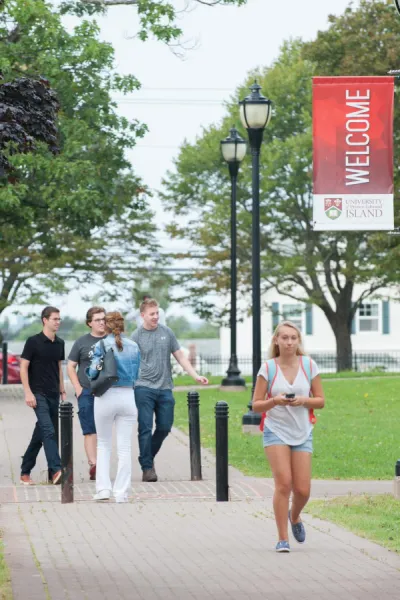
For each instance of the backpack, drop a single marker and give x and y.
(271, 364)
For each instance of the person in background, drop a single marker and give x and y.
(288, 389)
(80, 356)
(137, 315)
(43, 382)
(116, 405)
(153, 391)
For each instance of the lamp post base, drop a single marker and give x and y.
(233, 379)
(251, 420)
(251, 423)
(232, 388)
(233, 384)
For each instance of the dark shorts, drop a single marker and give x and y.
(86, 412)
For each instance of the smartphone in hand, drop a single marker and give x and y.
(290, 397)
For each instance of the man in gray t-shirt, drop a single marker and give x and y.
(81, 356)
(153, 390)
(156, 346)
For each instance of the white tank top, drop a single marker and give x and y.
(290, 423)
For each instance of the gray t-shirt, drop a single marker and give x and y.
(82, 353)
(156, 347)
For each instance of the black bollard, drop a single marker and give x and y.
(221, 450)
(397, 468)
(57, 438)
(194, 436)
(5, 363)
(67, 464)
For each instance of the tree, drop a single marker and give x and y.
(184, 329)
(156, 17)
(157, 284)
(180, 326)
(321, 268)
(28, 110)
(82, 215)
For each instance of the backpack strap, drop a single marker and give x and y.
(272, 371)
(306, 365)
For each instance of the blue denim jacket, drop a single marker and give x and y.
(128, 360)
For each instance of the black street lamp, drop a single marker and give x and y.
(233, 150)
(255, 114)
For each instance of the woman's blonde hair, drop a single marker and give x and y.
(115, 325)
(274, 348)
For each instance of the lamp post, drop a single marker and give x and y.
(397, 3)
(233, 150)
(255, 114)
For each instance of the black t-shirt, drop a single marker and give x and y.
(44, 356)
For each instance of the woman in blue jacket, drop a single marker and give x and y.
(117, 406)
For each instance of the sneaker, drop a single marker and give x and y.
(26, 480)
(299, 533)
(121, 499)
(56, 479)
(92, 473)
(102, 495)
(282, 546)
(149, 475)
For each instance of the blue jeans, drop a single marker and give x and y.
(44, 434)
(151, 402)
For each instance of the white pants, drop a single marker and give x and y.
(116, 405)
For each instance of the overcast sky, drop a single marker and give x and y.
(180, 97)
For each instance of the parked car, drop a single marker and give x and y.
(13, 370)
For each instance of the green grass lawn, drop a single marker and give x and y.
(376, 518)
(5, 581)
(356, 436)
(216, 380)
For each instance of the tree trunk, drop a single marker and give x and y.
(344, 351)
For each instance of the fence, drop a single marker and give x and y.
(388, 362)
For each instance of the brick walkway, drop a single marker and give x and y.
(173, 540)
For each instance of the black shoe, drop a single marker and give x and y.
(149, 475)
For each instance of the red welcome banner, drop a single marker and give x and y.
(353, 153)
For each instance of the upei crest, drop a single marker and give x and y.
(333, 207)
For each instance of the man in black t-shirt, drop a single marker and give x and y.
(81, 356)
(43, 382)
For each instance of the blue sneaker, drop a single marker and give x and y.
(282, 546)
(299, 533)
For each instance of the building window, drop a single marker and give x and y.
(294, 313)
(368, 317)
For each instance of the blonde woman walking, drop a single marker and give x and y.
(117, 406)
(288, 389)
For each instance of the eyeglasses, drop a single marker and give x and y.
(98, 321)
(56, 319)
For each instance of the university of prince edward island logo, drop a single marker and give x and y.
(333, 208)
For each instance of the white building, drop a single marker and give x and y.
(375, 328)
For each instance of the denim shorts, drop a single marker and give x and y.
(86, 412)
(270, 439)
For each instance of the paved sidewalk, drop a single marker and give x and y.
(173, 540)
